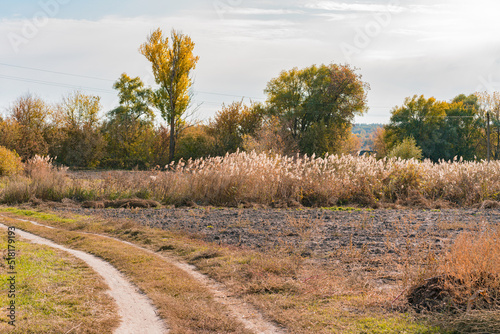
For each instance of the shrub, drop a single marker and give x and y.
(467, 276)
(48, 182)
(10, 162)
(407, 149)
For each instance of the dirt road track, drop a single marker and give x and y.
(136, 311)
(245, 313)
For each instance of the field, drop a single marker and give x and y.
(333, 245)
(315, 270)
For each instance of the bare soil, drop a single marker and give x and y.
(380, 249)
(319, 233)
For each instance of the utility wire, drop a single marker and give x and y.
(107, 91)
(109, 80)
(55, 72)
(76, 87)
(51, 83)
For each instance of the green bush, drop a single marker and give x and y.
(10, 162)
(407, 149)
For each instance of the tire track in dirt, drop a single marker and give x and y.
(247, 314)
(138, 315)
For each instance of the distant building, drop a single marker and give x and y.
(366, 152)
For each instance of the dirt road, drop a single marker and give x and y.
(136, 311)
(245, 313)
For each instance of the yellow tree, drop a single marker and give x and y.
(28, 126)
(78, 117)
(172, 62)
(379, 145)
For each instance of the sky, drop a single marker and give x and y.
(438, 48)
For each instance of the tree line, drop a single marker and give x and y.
(443, 130)
(73, 132)
(309, 110)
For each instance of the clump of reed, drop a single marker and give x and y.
(269, 179)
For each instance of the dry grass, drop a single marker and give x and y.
(474, 258)
(56, 293)
(461, 292)
(272, 179)
(467, 276)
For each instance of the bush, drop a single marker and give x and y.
(407, 149)
(467, 277)
(10, 162)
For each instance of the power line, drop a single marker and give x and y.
(56, 72)
(109, 80)
(76, 87)
(51, 83)
(230, 95)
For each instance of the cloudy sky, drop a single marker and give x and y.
(438, 48)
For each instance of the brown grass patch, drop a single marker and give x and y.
(467, 283)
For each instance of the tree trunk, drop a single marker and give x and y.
(172, 139)
(488, 135)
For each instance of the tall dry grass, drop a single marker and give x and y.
(462, 291)
(474, 264)
(270, 179)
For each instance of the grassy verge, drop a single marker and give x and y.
(55, 293)
(187, 306)
(297, 294)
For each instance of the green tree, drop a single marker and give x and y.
(172, 63)
(83, 142)
(317, 104)
(129, 128)
(421, 119)
(462, 131)
(135, 100)
(442, 129)
(194, 143)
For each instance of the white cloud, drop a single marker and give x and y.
(438, 47)
(338, 16)
(258, 11)
(354, 7)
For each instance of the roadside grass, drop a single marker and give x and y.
(55, 293)
(187, 306)
(40, 215)
(289, 289)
